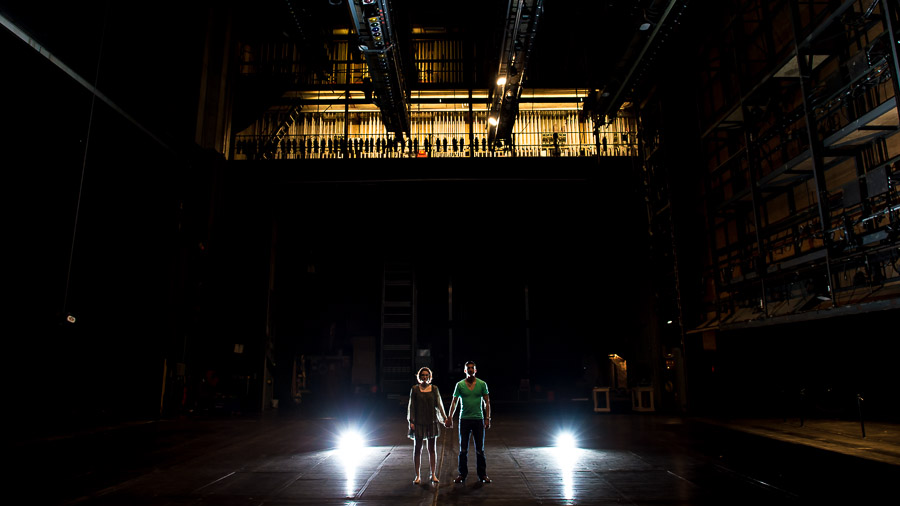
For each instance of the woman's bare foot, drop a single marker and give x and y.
(417, 481)
(434, 479)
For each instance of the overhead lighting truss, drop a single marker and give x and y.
(378, 43)
(518, 40)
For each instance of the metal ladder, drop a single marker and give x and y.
(398, 329)
(274, 142)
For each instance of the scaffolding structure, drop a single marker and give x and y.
(802, 162)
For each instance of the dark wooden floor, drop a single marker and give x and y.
(284, 459)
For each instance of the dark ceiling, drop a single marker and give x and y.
(579, 44)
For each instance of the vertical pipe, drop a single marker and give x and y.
(471, 120)
(542, 127)
(862, 423)
(450, 323)
(815, 146)
(527, 334)
(887, 9)
(525, 144)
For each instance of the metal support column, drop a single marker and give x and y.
(815, 144)
(894, 60)
(450, 324)
(752, 164)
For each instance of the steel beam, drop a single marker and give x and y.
(518, 40)
(377, 36)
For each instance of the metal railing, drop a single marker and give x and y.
(251, 147)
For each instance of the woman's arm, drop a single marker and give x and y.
(440, 405)
(409, 409)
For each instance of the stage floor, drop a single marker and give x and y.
(281, 459)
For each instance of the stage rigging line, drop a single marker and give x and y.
(95, 94)
(40, 48)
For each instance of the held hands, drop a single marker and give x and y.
(448, 422)
(412, 426)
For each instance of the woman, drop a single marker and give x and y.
(425, 413)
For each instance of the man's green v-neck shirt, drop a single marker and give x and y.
(470, 405)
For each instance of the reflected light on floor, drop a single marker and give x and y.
(566, 451)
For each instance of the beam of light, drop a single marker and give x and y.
(351, 446)
(566, 456)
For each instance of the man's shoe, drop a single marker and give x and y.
(459, 479)
(485, 479)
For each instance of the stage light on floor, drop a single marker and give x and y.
(351, 447)
(565, 441)
(351, 441)
(566, 449)
(566, 456)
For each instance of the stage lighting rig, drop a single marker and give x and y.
(372, 20)
(518, 40)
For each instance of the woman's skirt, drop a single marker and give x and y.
(426, 431)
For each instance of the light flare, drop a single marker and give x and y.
(351, 446)
(566, 456)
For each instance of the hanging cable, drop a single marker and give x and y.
(87, 142)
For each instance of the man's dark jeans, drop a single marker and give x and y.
(476, 429)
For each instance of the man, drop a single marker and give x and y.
(472, 394)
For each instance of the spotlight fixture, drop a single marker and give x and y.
(493, 121)
(368, 2)
(644, 27)
(70, 318)
(501, 81)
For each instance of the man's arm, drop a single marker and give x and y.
(487, 411)
(449, 421)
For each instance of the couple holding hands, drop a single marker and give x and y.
(425, 414)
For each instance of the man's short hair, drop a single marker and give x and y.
(470, 362)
